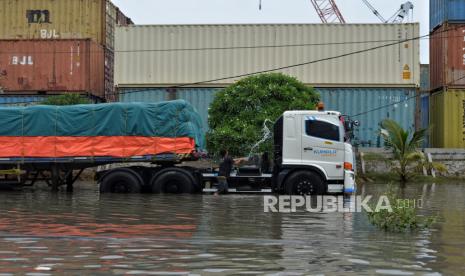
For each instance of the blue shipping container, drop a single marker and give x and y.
(371, 106)
(149, 95)
(200, 98)
(16, 100)
(441, 11)
(424, 77)
(424, 115)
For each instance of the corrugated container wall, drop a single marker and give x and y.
(424, 116)
(52, 66)
(424, 77)
(422, 113)
(165, 55)
(376, 104)
(447, 119)
(122, 19)
(110, 93)
(143, 95)
(20, 100)
(199, 98)
(442, 11)
(447, 57)
(57, 19)
(371, 106)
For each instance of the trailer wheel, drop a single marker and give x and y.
(120, 181)
(173, 181)
(305, 183)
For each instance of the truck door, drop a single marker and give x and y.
(291, 139)
(322, 144)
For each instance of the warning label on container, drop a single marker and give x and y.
(406, 74)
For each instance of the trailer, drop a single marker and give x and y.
(141, 147)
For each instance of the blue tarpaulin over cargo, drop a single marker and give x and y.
(199, 98)
(165, 119)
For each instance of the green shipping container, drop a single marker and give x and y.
(447, 119)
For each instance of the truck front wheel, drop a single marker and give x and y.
(120, 181)
(304, 183)
(173, 181)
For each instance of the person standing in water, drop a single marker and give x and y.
(225, 169)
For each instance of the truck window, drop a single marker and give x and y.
(290, 127)
(322, 130)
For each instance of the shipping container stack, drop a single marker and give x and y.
(447, 73)
(373, 84)
(423, 103)
(50, 47)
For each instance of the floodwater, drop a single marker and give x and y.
(87, 234)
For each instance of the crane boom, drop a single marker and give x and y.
(328, 11)
(403, 12)
(375, 12)
(398, 17)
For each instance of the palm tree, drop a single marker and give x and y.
(404, 146)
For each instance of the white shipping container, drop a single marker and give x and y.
(159, 55)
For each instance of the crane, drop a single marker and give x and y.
(398, 17)
(402, 13)
(375, 12)
(328, 11)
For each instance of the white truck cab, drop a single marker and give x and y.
(313, 154)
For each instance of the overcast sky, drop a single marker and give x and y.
(273, 11)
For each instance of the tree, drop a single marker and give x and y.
(66, 99)
(238, 112)
(404, 146)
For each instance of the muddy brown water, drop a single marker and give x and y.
(90, 234)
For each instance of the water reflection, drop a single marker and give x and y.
(206, 235)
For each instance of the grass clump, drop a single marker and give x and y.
(402, 216)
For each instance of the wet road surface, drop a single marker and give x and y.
(87, 234)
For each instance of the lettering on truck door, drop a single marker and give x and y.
(322, 144)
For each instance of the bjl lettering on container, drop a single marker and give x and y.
(22, 60)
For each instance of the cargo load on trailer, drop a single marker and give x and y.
(118, 130)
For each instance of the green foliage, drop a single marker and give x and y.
(440, 168)
(403, 217)
(66, 99)
(237, 114)
(404, 146)
(371, 156)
